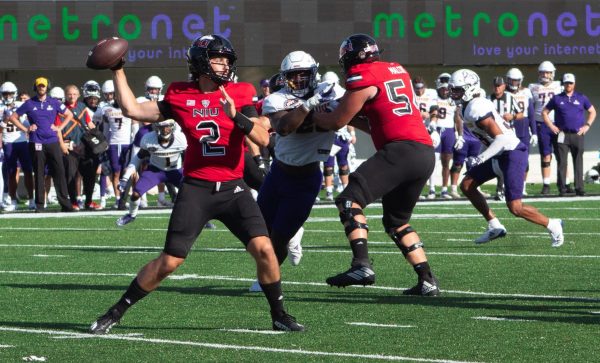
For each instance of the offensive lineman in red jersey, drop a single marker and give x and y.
(404, 160)
(215, 115)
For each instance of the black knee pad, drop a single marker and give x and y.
(397, 238)
(344, 171)
(347, 214)
(545, 164)
(328, 171)
(455, 168)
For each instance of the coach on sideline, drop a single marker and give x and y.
(569, 126)
(44, 145)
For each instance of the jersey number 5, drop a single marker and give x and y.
(212, 137)
(397, 95)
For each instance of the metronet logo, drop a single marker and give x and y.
(506, 24)
(129, 26)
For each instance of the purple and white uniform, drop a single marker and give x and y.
(15, 143)
(445, 125)
(541, 95)
(510, 163)
(118, 131)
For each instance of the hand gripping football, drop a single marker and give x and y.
(107, 53)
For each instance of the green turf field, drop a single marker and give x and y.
(515, 299)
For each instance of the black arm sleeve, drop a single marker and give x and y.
(165, 109)
(249, 111)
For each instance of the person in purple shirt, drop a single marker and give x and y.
(570, 126)
(42, 111)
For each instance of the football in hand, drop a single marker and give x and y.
(107, 53)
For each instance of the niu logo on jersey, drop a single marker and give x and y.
(204, 112)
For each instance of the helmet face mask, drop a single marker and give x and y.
(358, 48)
(546, 72)
(91, 89)
(514, 79)
(164, 130)
(9, 93)
(464, 85)
(299, 73)
(154, 86)
(209, 47)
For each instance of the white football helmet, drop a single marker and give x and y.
(91, 89)
(9, 93)
(592, 176)
(514, 78)
(464, 85)
(330, 77)
(57, 93)
(108, 86)
(546, 66)
(153, 82)
(165, 129)
(299, 70)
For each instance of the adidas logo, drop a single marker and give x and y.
(363, 273)
(427, 288)
(237, 190)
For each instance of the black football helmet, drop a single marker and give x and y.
(203, 49)
(276, 82)
(358, 48)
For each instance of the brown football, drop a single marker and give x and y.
(107, 53)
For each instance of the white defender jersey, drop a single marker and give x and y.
(524, 99)
(479, 108)
(167, 157)
(307, 143)
(10, 133)
(117, 127)
(541, 95)
(446, 110)
(425, 101)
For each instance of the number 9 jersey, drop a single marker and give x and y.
(393, 114)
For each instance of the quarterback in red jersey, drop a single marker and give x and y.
(397, 173)
(215, 115)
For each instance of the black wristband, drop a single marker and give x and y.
(243, 122)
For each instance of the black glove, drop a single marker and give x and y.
(263, 164)
(118, 65)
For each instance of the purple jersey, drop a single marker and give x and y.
(42, 114)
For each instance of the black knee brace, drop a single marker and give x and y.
(344, 171)
(397, 238)
(328, 171)
(545, 164)
(347, 214)
(455, 168)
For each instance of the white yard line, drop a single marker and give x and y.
(231, 346)
(251, 331)
(309, 249)
(298, 283)
(494, 318)
(48, 256)
(357, 323)
(6, 346)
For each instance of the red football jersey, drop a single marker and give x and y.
(215, 145)
(393, 114)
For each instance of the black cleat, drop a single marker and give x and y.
(286, 322)
(546, 189)
(424, 288)
(105, 322)
(356, 275)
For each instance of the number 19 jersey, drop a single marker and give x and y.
(393, 114)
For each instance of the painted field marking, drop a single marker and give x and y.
(6, 346)
(267, 332)
(357, 323)
(494, 318)
(302, 283)
(232, 347)
(48, 256)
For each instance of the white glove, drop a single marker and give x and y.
(533, 141)
(315, 100)
(459, 143)
(123, 184)
(435, 137)
(473, 161)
